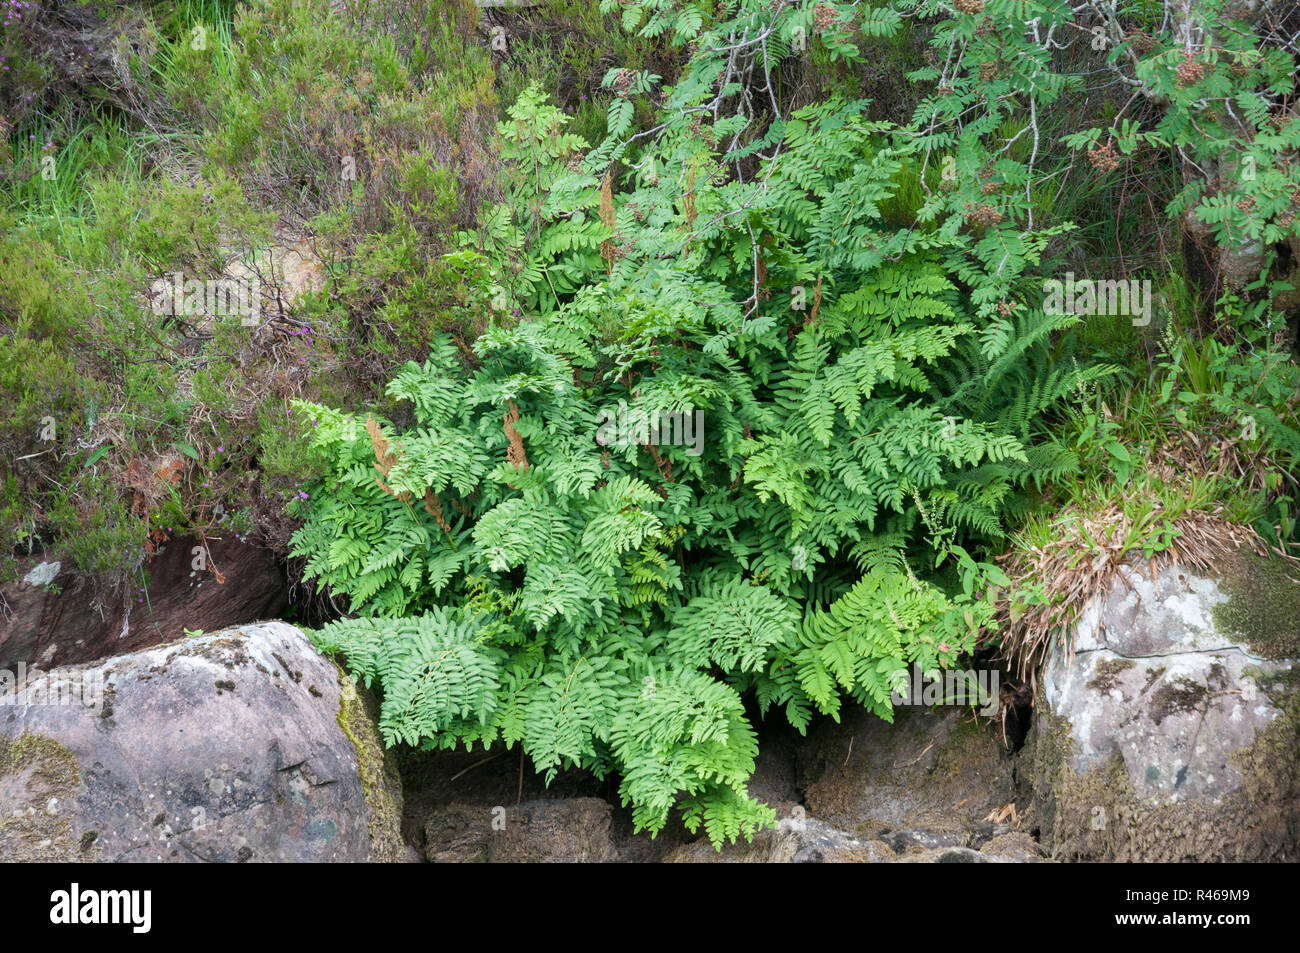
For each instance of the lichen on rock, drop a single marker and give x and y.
(199, 753)
(1169, 736)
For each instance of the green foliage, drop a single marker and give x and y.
(323, 106)
(148, 154)
(564, 47)
(1215, 430)
(848, 294)
(93, 373)
(1219, 112)
(528, 568)
(1248, 400)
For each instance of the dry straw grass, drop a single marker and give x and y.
(1081, 562)
(1086, 546)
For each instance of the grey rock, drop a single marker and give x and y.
(1170, 734)
(795, 840)
(244, 745)
(801, 840)
(1014, 846)
(43, 574)
(950, 855)
(903, 841)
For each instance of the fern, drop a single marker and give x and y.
(610, 604)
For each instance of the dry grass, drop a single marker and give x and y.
(1230, 456)
(1169, 514)
(1081, 561)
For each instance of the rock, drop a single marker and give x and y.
(241, 745)
(43, 574)
(477, 780)
(1014, 846)
(801, 840)
(950, 855)
(919, 790)
(55, 618)
(878, 822)
(933, 771)
(1172, 735)
(796, 840)
(912, 841)
(565, 830)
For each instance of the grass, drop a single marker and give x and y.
(1167, 476)
(197, 50)
(62, 159)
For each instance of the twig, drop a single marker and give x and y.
(475, 765)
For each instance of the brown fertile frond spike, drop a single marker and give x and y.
(608, 250)
(607, 201)
(817, 303)
(688, 197)
(664, 465)
(434, 508)
(688, 204)
(515, 454)
(385, 459)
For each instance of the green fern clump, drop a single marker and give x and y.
(520, 576)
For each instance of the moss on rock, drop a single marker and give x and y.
(1097, 815)
(46, 775)
(1178, 696)
(1107, 672)
(357, 716)
(1263, 606)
